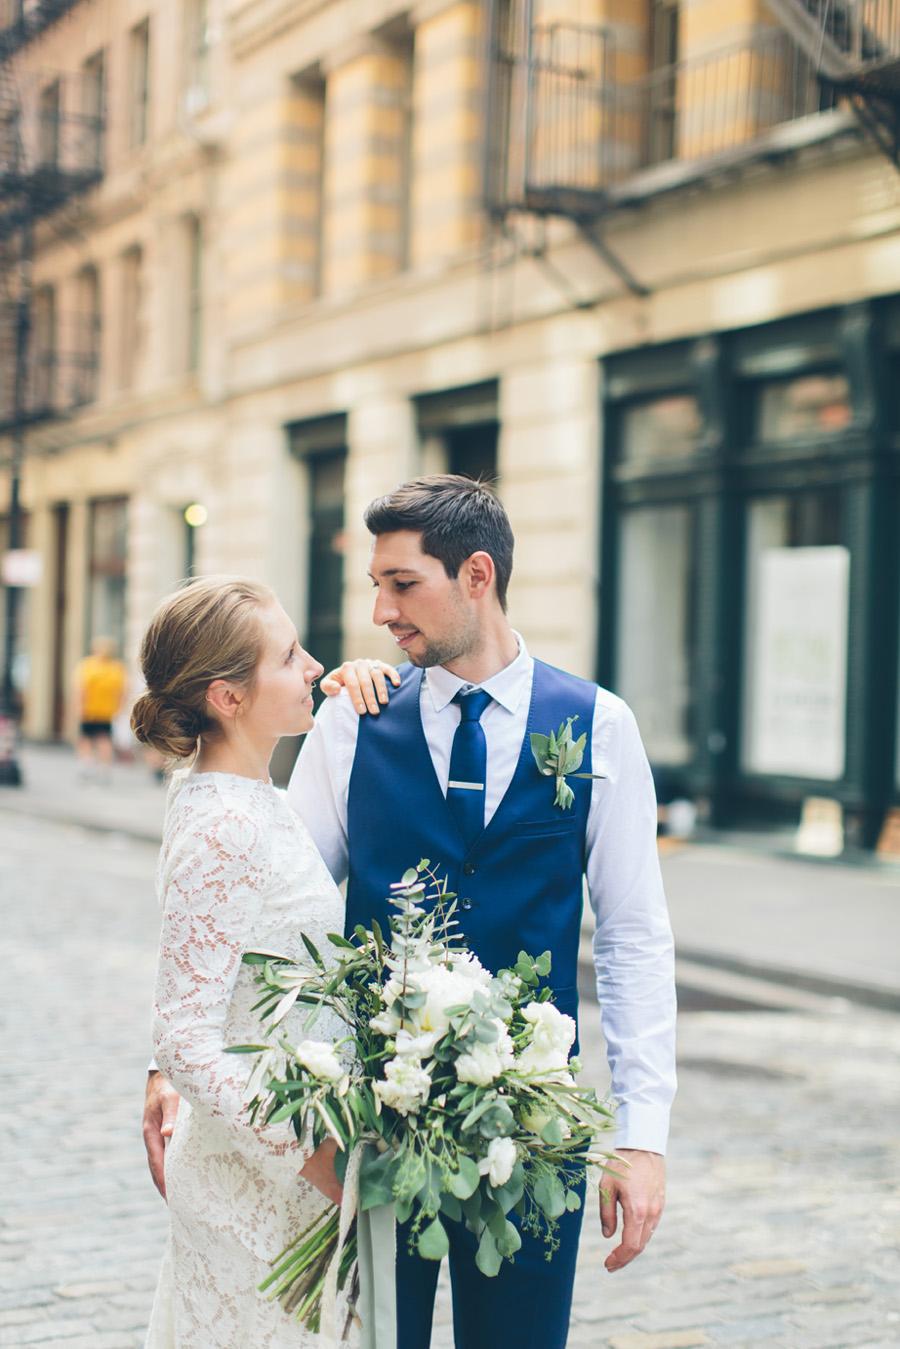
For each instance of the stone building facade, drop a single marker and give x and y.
(301, 298)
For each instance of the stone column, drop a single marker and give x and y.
(549, 482)
(274, 198)
(448, 97)
(366, 170)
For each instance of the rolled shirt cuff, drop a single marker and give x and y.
(643, 1127)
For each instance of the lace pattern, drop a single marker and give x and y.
(237, 871)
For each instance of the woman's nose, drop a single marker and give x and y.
(314, 671)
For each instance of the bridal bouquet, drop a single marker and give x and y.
(456, 1082)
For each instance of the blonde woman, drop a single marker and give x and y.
(226, 677)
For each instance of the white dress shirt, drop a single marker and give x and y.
(633, 954)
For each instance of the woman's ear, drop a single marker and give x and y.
(223, 700)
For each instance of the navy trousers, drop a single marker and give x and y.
(528, 1304)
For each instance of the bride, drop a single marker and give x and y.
(225, 678)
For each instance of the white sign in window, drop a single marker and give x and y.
(797, 663)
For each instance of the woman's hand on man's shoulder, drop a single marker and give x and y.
(366, 682)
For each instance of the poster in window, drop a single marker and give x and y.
(797, 662)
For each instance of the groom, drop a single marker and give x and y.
(448, 773)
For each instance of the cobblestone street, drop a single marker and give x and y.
(784, 1202)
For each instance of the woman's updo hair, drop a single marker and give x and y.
(207, 630)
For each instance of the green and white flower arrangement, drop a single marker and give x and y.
(455, 1084)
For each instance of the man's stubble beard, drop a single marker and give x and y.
(443, 651)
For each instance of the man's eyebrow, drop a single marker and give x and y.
(396, 571)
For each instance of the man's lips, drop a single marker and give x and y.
(404, 638)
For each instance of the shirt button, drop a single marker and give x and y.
(468, 868)
(466, 905)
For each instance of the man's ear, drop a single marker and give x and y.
(479, 574)
(223, 700)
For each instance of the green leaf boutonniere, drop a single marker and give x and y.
(558, 755)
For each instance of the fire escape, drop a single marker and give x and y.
(51, 154)
(579, 126)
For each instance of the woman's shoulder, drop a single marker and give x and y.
(223, 812)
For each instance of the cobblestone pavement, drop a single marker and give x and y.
(784, 1201)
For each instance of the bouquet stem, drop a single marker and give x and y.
(299, 1272)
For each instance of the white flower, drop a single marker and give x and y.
(418, 1046)
(387, 1022)
(482, 1064)
(471, 968)
(443, 988)
(320, 1059)
(406, 1087)
(499, 1162)
(552, 1036)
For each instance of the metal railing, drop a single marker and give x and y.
(23, 20)
(566, 126)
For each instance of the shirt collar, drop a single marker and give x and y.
(507, 687)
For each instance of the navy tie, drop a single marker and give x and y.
(468, 765)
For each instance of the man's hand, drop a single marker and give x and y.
(319, 1171)
(160, 1108)
(640, 1189)
(364, 680)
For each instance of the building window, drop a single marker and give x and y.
(107, 563)
(85, 376)
(93, 94)
(48, 130)
(809, 405)
(320, 445)
(194, 251)
(654, 630)
(196, 55)
(43, 345)
(662, 111)
(795, 637)
(131, 331)
(139, 83)
(459, 431)
(660, 429)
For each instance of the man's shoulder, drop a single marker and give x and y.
(608, 705)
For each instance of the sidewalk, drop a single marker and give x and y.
(828, 928)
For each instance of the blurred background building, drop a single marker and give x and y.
(636, 260)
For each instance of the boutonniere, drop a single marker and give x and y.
(558, 755)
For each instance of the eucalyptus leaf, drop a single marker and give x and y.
(550, 1196)
(464, 1181)
(509, 1240)
(451, 1207)
(433, 1243)
(488, 1258)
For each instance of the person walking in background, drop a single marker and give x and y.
(100, 683)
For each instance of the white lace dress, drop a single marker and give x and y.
(237, 871)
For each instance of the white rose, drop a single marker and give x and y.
(406, 1087)
(418, 1046)
(499, 1162)
(387, 1022)
(320, 1059)
(443, 988)
(552, 1036)
(482, 1064)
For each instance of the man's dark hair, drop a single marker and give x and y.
(456, 517)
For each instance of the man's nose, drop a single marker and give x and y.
(385, 610)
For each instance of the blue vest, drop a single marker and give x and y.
(519, 884)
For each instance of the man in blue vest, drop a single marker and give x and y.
(447, 772)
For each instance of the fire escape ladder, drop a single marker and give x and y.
(854, 46)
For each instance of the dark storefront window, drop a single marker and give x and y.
(654, 639)
(795, 637)
(107, 564)
(321, 447)
(660, 428)
(459, 431)
(810, 405)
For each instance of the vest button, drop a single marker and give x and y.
(466, 905)
(468, 868)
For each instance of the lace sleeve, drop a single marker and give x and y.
(213, 881)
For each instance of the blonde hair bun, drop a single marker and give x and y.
(207, 630)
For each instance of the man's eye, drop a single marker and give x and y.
(404, 585)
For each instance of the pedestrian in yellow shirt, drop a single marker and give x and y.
(99, 693)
